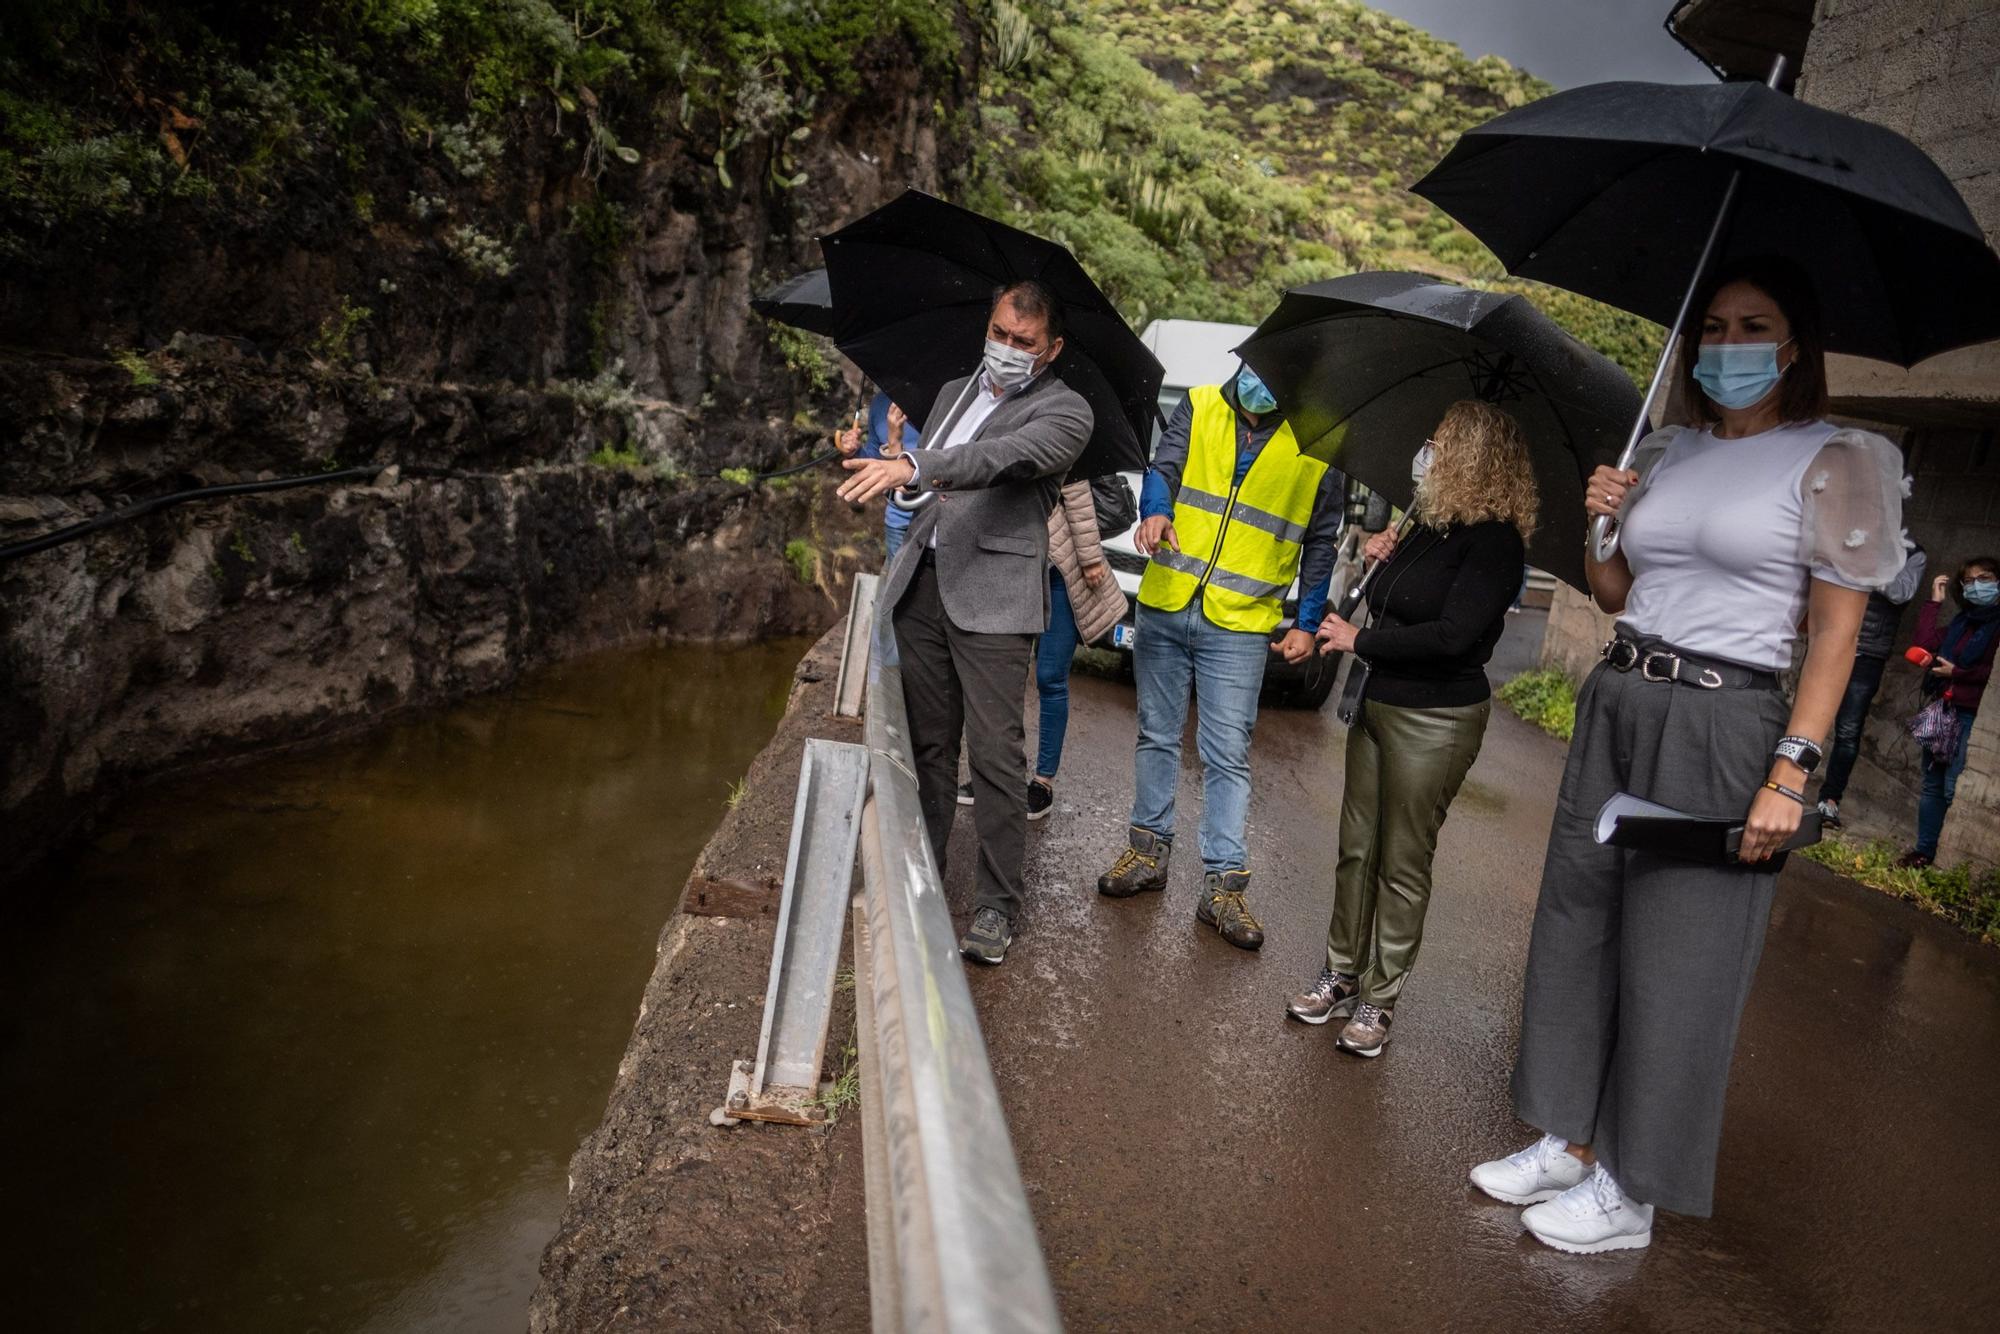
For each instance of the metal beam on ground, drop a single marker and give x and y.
(849, 686)
(783, 1085)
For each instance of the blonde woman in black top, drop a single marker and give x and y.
(1442, 603)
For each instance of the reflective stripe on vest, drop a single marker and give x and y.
(1240, 544)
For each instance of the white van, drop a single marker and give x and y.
(1197, 352)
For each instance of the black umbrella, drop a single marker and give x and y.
(1363, 367)
(804, 302)
(1632, 192)
(913, 287)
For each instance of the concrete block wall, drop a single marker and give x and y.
(1928, 69)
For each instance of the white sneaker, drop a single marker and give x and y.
(1542, 1171)
(1593, 1215)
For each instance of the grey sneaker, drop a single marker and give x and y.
(1224, 906)
(989, 937)
(1367, 1033)
(965, 794)
(1829, 813)
(1333, 996)
(1141, 867)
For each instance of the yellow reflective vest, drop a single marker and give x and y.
(1240, 545)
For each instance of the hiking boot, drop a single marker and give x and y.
(1829, 813)
(1593, 1215)
(1542, 1171)
(965, 794)
(1367, 1033)
(1331, 997)
(1041, 799)
(1141, 867)
(1223, 906)
(1913, 861)
(989, 937)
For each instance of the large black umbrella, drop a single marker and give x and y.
(913, 285)
(804, 302)
(1632, 192)
(1363, 367)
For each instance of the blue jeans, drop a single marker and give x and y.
(1862, 683)
(1940, 786)
(1176, 651)
(893, 535)
(1053, 652)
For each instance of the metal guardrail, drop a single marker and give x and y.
(952, 1242)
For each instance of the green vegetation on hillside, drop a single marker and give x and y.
(107, 111)
(1201, 158)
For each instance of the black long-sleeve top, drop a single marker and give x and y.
(1440, 605)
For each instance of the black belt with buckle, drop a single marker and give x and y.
(1664, 662)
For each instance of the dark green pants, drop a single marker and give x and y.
(1403, 768)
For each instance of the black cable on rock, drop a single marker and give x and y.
(111, 518)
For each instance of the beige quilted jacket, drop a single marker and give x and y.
(1073, 544)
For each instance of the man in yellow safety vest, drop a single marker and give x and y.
(1232, 512)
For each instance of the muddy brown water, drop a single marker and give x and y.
(307, 1044)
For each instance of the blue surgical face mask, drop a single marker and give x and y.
(1980, 592)
(1251, 393)
(1420, 462)
(1738, 375)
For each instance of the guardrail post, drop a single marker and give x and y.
(848, 686)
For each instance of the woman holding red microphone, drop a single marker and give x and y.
(1959, 659)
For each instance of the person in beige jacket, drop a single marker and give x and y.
(1084, 603)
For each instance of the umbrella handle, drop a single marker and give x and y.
(912, 501)
(1351, 600)
(1604, 528)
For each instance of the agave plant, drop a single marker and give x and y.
(1012, 37)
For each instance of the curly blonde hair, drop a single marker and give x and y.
(1481, 471)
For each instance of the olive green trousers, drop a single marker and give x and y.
(1403, 768)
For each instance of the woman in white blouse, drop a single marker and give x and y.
(1737, 533)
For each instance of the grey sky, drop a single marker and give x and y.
(1567, 42)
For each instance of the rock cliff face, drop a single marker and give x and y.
(550, 432)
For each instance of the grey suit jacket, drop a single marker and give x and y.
(991, 515)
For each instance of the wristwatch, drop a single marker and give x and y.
(1799, 751)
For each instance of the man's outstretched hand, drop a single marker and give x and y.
(869, 478)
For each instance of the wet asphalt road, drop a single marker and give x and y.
(1197, 1161)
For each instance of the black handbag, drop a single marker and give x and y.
(1112, 500)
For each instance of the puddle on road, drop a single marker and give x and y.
(306, 1045)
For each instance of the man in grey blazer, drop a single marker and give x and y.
(969, 590)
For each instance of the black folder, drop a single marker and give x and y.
(1627, 821)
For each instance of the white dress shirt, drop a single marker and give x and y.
(984, 401)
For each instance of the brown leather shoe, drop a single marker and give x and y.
(1141, 867)
(1223, 905)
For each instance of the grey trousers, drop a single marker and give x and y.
(1640, 965)
(956, 681)
(1403, 768)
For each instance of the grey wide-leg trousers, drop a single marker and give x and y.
(1640, 965)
